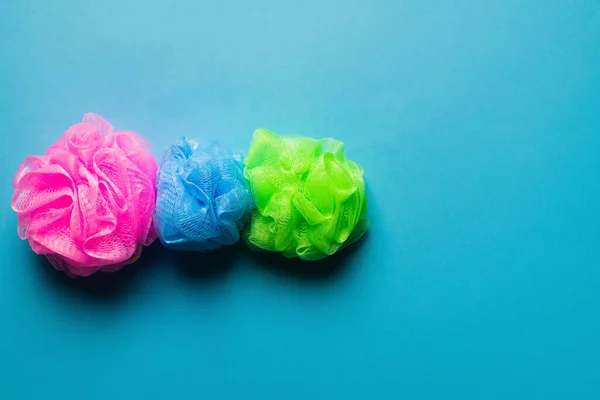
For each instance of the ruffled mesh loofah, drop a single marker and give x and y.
(203, 199)
(87, 203)
(310, 200)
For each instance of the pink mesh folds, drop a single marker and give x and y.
(87, 204)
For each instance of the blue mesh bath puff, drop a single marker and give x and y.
(203, 200)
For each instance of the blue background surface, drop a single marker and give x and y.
(477, 124)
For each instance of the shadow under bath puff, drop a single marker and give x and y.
(324, 270)
(101, 286)
(205, 267)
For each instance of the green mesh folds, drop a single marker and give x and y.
(310, 200)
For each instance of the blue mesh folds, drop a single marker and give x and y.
(203, 200)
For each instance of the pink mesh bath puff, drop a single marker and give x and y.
(87, 204)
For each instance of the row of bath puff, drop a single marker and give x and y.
(98, 197)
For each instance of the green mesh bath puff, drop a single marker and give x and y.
(310, 200)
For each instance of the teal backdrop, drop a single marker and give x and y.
(478, 127)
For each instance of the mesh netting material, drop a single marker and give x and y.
(203, 200)
(87, 203)
(310, 200)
